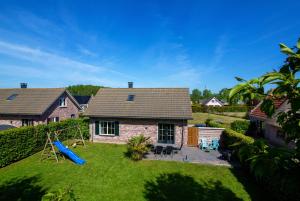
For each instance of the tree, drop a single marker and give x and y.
(196, 95)
(224, 94)
(285, 85)
(83, 90)
(207, 93)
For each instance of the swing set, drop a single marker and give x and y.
(52, 141)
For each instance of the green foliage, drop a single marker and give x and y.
(19, 143)
(285, 85)
(212, 109)
(240, 126)
(230, 138)
(137, 147)
(65, 194)
(83, 90)
(207, 94)
(196, 95)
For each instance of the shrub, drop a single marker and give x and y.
(240, 126)
(137, 147)
(19, 143)
(66, 194)
(212, 109)
(230, 138)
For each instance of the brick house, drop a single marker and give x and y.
(33, 106)
(116, 114)
(268, 127)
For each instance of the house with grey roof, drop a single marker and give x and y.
(33, 106)
(117, 114)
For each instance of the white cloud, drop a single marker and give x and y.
(52, 66)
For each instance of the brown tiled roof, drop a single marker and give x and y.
(29, 101)
(161, 103)
(256, 112)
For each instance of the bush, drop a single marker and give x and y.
(137, 147)
(19, 143)
(230, 138)
(212, 109)
(240, 126)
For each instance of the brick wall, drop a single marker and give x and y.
(132, 127)
(54, 111)
(209, 133)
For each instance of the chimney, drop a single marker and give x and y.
(130, 84)
(23, 85)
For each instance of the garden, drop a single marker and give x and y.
(110, 175)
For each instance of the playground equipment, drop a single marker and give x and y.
(53, 141)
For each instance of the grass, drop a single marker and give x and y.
(109, 175)
(200, 118)
(234, 114)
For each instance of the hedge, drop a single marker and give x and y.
(19, 143)
(240, 126)
(212, 109)
(230, 138)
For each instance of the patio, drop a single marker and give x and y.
(191, 155)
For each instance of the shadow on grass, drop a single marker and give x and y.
(24, 189)
(177, 187)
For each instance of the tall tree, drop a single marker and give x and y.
(196, 95)
(207, 93)
(285, 85)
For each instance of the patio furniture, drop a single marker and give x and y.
(203, 144)
(214, 144)
(152, 148)
(168, 150)
(158, 150)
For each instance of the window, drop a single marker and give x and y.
(27, 122)
(107, 128)
(72, 116)
(12, 97)
(62, 102)
(55, 119)
(166, 133)
(130, 98)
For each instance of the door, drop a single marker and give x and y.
(192, 136)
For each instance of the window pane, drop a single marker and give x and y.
(166, 133)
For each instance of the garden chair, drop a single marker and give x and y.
(158, 150)
(169, 150)
(203, 144)
(214, 144)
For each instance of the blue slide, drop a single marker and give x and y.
(66, 151)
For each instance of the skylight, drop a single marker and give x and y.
(12, 97)
(130, 98)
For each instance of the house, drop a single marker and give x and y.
(33, 106)
(83, 101)
(212, 102)
(117, 114)
(268, 127)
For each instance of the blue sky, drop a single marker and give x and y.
(193, 44)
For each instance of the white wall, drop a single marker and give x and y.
(213, 102)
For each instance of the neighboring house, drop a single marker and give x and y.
(33, 106)
(117, 114)
(83, 101)
(268, 127)
(212, 102)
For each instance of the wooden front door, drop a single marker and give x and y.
(192, 136)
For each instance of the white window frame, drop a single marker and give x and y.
(174, 133)
(106, 124)
(62, 102)
(55, 119)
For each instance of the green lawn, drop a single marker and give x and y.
(200, 118)
(108, 175)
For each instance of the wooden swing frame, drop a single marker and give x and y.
(51, 152)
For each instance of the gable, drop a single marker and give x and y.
(29, 101)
